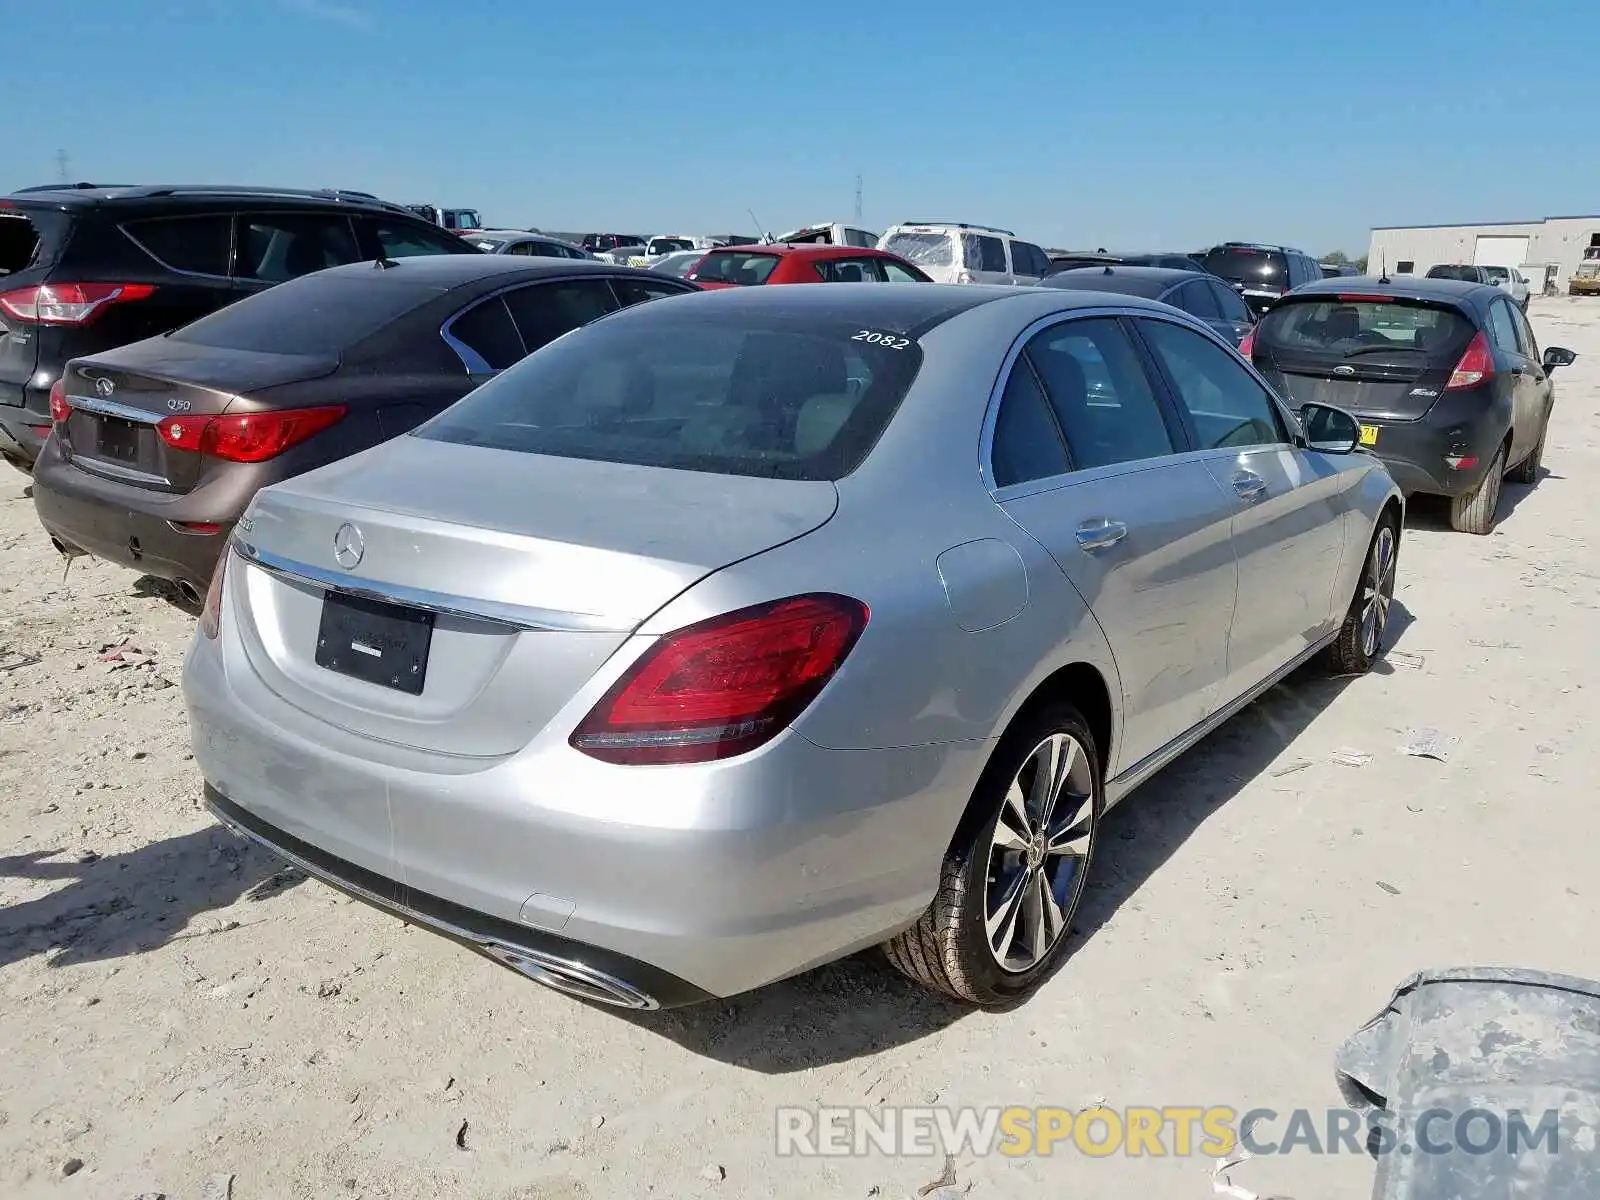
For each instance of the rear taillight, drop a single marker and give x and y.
(1476, 365)
(60, 410)
(211, 614)
(1247, 347)
(69, 303)
(247, 437)
(723, 686)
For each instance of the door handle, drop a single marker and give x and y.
(1249, 485)
(1100, 533)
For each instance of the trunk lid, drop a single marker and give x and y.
(119, 399)
(536, 570)
(1380, 356)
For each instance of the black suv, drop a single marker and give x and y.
(86, 268)
(1261, 274)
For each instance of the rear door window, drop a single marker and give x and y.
(1530, 344)
(1196, 299)
(198, 244)
(1502, 328)
(488, 332)
(1099, 392)
(1226, 406)
(1228, 303)
(408, 239)
(983, 253)
(274, 247)
(545, 311)
(1027, 444)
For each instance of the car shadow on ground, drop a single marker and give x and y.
(125, 904)
(163, 589)
(860, 1005)
(1432, 513)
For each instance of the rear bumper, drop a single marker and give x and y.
(680, 881)
(1415, 452)
(20, 439)
(124, 524)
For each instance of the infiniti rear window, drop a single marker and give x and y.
(1338, 328)
(790, 397)
(1246, 264)
(312, 315)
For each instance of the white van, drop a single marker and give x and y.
(958, 252)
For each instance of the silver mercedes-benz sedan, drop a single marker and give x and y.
(735, 632)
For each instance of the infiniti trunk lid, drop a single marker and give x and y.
(535, 570)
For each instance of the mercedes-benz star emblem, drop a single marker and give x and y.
(348, 546)
(104, 386)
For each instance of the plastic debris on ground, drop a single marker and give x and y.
(1347, 757)
(1430, 743)
(1412, 662)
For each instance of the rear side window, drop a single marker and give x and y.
(1502, 328)
(923, 249)
(200, 244)
(637, 291)
(409, 239)
(275, 247)
(1099, 392)
(667, 386)
(1248, 265)
(545, 311)
(1026, 444)
(740, 268)
(982, 253)
(486, 329)
(19, 242)
(313, 316)
(1028, 259)
(1195, 297)
(860, 237)
(1348, 328)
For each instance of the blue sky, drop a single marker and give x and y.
(1161, 125)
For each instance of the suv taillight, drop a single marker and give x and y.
(1476, 365)
(69, 303)
(247, 437)
(725, 685)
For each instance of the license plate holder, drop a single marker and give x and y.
(1369, 435)
(118, 440)
(375, 642)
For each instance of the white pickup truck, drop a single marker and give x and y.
(1510, 281)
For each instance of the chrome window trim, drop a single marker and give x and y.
(517, 616)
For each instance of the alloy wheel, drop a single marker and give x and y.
(1377, 591)
(1039, 854)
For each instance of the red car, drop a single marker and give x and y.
(736, 266)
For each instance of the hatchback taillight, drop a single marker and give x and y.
(1476, 365)
(247, 437)
(69, 303)
(725, 685)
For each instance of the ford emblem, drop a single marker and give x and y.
(1345, 370)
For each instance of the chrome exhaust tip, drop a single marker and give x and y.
(575, 979)
(61, 547)
(190, 593)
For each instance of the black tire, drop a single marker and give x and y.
(1473, 512)
(1360, 639)
(949, 948)
(1527, 471)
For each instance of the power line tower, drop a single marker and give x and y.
(858, 195)
(61, 164)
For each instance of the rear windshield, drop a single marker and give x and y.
(1497, 274)
(1339, 328)
(1470, 274)
(1248, 265)
(735, 268)
(668, 245)
(793, 397)
(924, 249)
(18, 242)
(313, 315)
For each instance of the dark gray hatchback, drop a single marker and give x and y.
(1445, 377)
(159, 446)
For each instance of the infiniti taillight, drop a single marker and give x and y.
(69, 303)
(1247, 347)
(211, 614)
(1476, 365)
(247, 437)
(725, 685)
(60, 410)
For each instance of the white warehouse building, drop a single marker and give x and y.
(1550, 249)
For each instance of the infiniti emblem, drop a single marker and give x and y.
(1346, 370)
(348, 546)
(104, 386)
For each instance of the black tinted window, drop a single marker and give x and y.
(665, 385)
(314, 316)
(1195, 297)
(1028, 259)
(1226, 405)
(1249, 265)
(1502, 328)
(407, 239)
(1229, 304)
(1026, 444)
(275, 247)
(1099, 392)
(991, 254)
(545, 311)
(198, 244)
(636, 291)
(486, 330)
(1366, 331)
(1530, 344)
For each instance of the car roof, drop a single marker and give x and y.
(1124, 280)
(1408, 288)
(804, 250)
(83, 195)
(446, 271)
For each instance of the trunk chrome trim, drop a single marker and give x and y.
(110, 408)
(517, 616)
(110, 470)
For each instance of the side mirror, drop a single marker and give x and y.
(1558, 356)
(1330, 430)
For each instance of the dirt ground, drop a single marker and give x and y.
(180, 1016)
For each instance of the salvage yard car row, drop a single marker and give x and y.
(657, 639)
